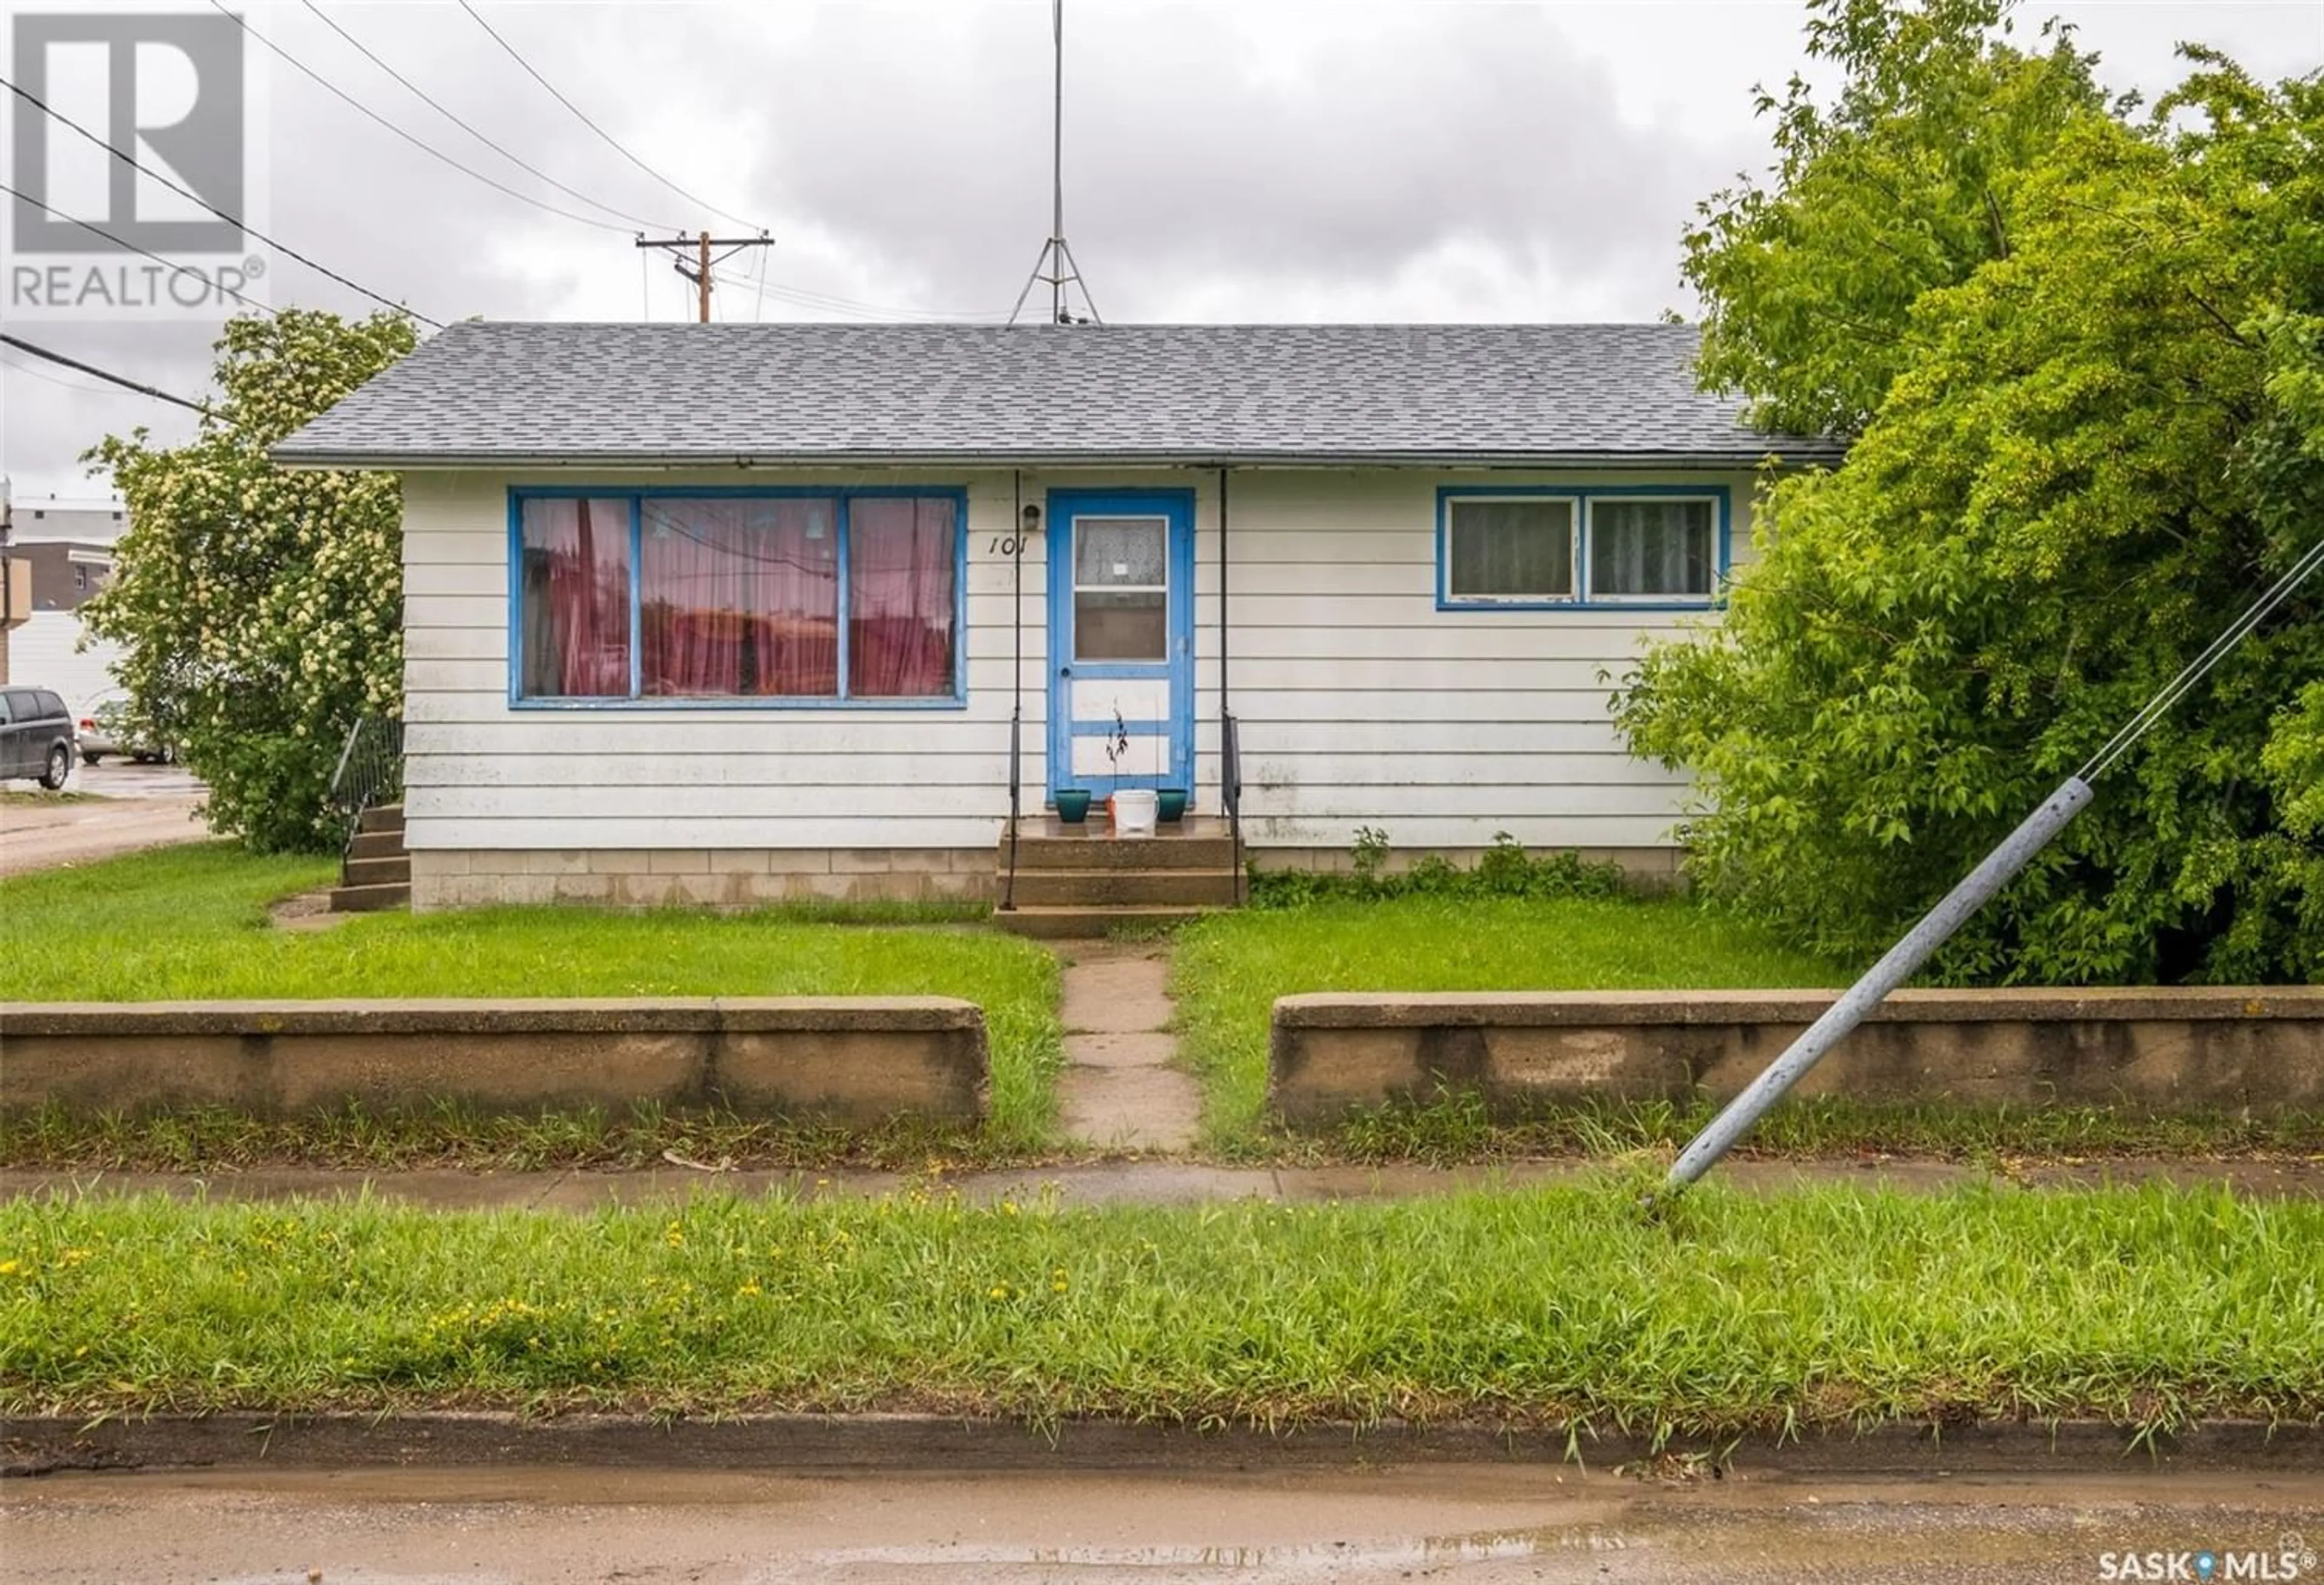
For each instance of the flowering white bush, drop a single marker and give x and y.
(261, 609)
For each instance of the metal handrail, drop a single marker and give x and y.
(1231, 790)
(370, 771)
(1016, 783)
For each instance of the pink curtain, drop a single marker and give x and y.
(901, 568)
(740, 597)
(576, 636)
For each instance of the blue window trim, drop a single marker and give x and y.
(1177, 507)
(1721, 496)
(637, 498)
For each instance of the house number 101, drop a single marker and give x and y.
(1005, 545)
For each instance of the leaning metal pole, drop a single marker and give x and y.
(1937, 926)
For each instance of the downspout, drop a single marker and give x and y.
(1229, 748)
(1016, 680)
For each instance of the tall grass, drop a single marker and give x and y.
(1817, 1307)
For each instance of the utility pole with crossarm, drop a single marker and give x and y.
(698, 271)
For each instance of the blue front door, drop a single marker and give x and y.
(1121, 639)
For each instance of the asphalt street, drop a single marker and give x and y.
(1486, 1525)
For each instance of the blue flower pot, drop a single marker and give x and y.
(1072, 806)
(1173, 805)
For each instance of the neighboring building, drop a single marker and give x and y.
(686, 600)
(65, 573)
(57, 554)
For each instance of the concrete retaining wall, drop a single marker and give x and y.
(2145, 1049)
(845, 1059)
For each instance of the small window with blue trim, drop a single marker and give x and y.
(1534, 550)
(797, 597)
(1516, 549)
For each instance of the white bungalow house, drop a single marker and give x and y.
(738, 612)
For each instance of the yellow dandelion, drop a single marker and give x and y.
(1001, 1290)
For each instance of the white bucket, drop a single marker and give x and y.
(1134, 809)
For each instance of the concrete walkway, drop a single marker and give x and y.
(1126, 1183)
(1121, 1089)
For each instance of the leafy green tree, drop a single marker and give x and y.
(261, 608)
(1901, 185)
(2082, 460)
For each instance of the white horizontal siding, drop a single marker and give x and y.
(1359, 702)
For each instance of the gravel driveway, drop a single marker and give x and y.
(133, 806)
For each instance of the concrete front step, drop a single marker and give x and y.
(369, 899)
(394, 872)
(1104, 851)
(1068, 923)
(377, 845)
(1087, 888)
(382, 817)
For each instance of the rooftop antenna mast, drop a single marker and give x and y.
(1057, 257)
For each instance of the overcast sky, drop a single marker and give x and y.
(1266, 159)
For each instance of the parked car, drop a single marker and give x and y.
(36, 736)
(107, 729)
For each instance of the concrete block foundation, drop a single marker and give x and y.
(724, 878)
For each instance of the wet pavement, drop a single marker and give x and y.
(1484, 1524)
(131, 806)
(1122, 1088)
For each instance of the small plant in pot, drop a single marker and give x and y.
(1132, 807)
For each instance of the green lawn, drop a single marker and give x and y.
(1724, 1313)
(1231, 968)
(190, 923)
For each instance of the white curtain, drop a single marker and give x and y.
(1651, 547)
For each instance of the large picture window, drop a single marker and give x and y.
(1542, 549)
(790, 597)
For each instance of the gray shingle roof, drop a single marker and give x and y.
(484, 393)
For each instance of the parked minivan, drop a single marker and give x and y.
(36, 736)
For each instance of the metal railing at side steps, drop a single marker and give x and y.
(1231, 790)
(369, 774)
(1016, 796)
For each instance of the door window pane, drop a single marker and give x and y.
(1644, 548)
(903, 558)
(1121, 597)
(576, 603)
(740, 597)
(1510, 550)
(1120, 552)
(1122, 625)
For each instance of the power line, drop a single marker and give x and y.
(801, 297)
(2195, 670)
(127, 383)
(235, 220)
(90, 226)
(438, 107)
(421, 144)
(19, 366)
(611, 141)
